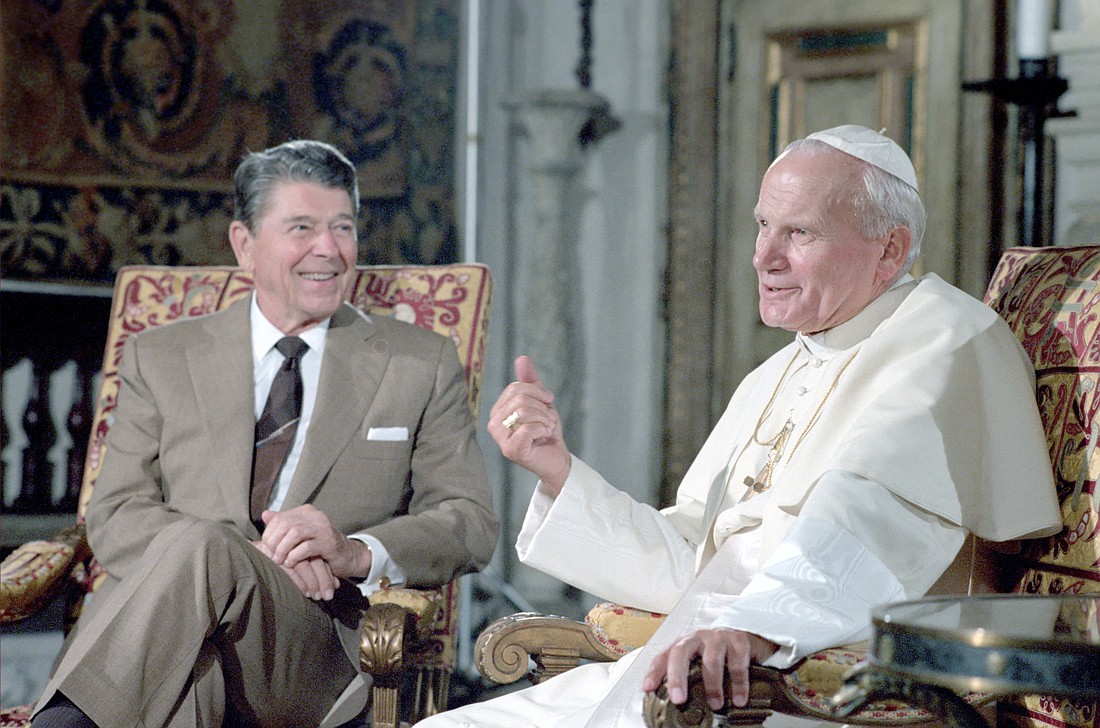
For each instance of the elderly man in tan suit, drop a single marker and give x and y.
(221, 610)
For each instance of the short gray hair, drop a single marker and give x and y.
(301, 160)
(882, 203)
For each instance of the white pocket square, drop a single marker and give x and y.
(388, 434)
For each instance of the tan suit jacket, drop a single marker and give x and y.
(180, 447)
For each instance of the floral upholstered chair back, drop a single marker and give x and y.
(1050, 297)
(453, 300)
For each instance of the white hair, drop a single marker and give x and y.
(882, 203)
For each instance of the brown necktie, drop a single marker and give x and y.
(277, 425)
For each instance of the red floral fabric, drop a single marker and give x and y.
(16, 717)
(1051, 300)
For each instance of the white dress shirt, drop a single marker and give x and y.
(266, 361)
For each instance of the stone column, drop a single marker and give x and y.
(546, 287)
(547, 299)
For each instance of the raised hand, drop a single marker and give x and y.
(526, 427)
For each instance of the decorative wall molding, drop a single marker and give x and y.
(1077, 137)
(547, 253)
(708, 307)
(693, 230)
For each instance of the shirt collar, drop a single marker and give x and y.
(265, 335)
(859, 327)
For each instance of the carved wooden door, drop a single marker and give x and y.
(746, 77)
(793, 67)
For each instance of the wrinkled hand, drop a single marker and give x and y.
(304, 533)
(537, 442)
(723, 652)
(313, 577)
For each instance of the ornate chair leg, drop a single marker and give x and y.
(433, 685)
(383, 636)
(865, 684)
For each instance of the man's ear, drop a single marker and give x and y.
(895, 250)
(241, 240)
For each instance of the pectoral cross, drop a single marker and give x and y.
(763, 481)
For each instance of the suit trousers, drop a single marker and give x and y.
(205, 626)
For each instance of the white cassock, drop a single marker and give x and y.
(914, 429)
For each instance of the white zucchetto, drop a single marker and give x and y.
(872, 147)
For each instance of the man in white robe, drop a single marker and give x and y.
(871, 460)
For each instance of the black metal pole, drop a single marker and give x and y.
(1032, 119)
(1034, 91)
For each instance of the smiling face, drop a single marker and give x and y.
(815, 269)
(301, 254)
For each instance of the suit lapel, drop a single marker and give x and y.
(350, 376)
(221, 375)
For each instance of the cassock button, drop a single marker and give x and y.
(801, 391)
(816, 361)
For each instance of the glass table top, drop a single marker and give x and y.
(1002, 617)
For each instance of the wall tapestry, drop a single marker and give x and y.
(121, 122)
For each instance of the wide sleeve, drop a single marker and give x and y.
(602, 541)
(854, 546)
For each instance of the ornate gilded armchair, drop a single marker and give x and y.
(404, 629)
(1050, 297)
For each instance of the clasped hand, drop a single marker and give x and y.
(311, 551)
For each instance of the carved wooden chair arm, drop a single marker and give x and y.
(768, 693)
(36, 571)
(556, 644)
(876, 700)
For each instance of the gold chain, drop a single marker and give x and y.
(817, 412)
(778, 442)
(768, 407)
